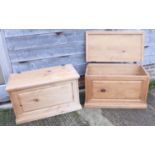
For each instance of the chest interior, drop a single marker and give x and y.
(101, 69)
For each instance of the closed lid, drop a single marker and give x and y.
(109, 46)
(41, 76)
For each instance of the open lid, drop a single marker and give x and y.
(114, 46)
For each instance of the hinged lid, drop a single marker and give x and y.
(41, 76)
(114, 46)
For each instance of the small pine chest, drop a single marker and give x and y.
(113, 79)
(43, 93)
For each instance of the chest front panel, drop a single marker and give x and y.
(43, 97)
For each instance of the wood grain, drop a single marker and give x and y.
(114, 46)
(41, 77)
(4, 57)
(34, 49)
(42, 40)
(120, 69)
(44, 93)
(116, 90)
(74, 59)
(26, 45)
(5, 67)
(115, 85)
(46, 52)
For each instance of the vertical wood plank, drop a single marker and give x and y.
(5, 66)
(4, 57)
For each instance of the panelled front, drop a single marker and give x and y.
(110, 89)
(44, 93)
(116, 89)
(44, 97)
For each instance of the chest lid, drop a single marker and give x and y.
(40, 77)
(114, 46)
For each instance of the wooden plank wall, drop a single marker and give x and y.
(32, 49)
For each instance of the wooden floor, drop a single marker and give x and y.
(92, 117)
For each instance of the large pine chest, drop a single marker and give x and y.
(114, 75)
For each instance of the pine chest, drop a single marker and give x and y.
(43, 93)
(114, 75)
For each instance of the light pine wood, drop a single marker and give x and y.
(41, 77)
(115, 85)
(117, 104)
(46, 96)
(56, 92)
(114, 46)
(47, 112)
(115, 69)
(115, 89)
